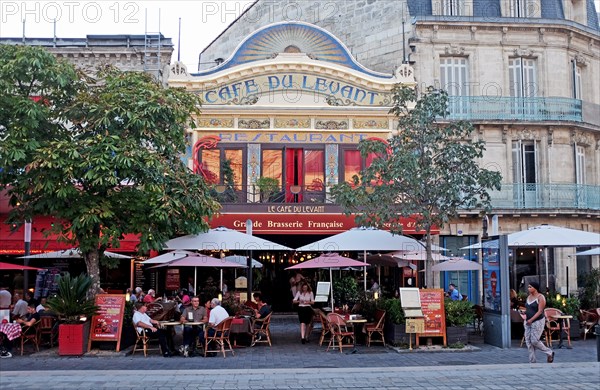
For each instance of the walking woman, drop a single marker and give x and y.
(535, 322)
(304, 298)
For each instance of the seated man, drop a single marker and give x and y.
(145, 324)
(263, 309)
(192, 313)
(453, 293)
(31, 317)
(20, 307)
(217, 315)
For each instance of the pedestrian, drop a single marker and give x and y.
(535, 322)
(304, 299)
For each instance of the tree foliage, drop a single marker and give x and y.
(429, 170)
(103, 155)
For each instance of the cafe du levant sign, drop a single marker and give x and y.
(293, 84)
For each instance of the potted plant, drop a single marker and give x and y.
(459, 314)
(74, 308)
(394, 328)
(571, 306)
(267, 187)
(345, 291)
(128, 336)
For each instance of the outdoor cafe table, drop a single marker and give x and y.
(353, 321)
(11, 330)
(241, 325)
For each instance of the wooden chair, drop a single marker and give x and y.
(220, 338)
(553, 325)
(30, 334)
(339, 332)
(48, 327)
(376, 328)
(589, 318)
(325, 328)
(260, 329)
(142, 338)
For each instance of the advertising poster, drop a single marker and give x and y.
(432, 305)
(491, 276)
(172, 282)
(107, 324)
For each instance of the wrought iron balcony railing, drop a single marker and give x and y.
(515, 108)
(510, 197)
(547, 196)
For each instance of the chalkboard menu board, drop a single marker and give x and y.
(138, 275)
(432, 305)
(107, 324)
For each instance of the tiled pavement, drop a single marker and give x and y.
(289, 364)
(287, 351)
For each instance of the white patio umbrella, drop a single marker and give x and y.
(329, 260)
(546, 236)
(363, 239)
(72, 253)
(199, 260)
(420, 255)
(589, 252)
(457, 264)
(243, 261)
(168, 257)
(222, 238)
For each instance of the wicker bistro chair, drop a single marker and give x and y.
(553, 325)
(589, 318)
(339, 332)
(48, 327)
(260, 329)
(30, 334)
(325, 328)
(220, 339)
(376, 328)
(142, 337)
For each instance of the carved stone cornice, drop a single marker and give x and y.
(254, 123)
(523, 51)
(331, 124)
(581, 138)
(526, 134)
(454, 50)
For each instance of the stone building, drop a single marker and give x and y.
(148, 53)
(526, 73)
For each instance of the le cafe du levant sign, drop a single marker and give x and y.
(294, 84)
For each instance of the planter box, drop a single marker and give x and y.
(576, 331)
(457, 334)
(395, 334)
(73, 339)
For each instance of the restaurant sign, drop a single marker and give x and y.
(293, 86)
(284, 221)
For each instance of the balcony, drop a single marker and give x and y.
(546, 196)
(510, 197)
(534, 109)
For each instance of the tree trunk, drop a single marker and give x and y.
(429, 282)
(92, 262)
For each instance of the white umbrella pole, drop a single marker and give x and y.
(546, 261)
(331, 290)
(221, 279)
(195, 280)
(365, 269)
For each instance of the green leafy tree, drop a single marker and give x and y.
(429, 170)
(103, 156)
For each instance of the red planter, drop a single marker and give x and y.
(73, 339)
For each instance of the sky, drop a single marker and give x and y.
(201, 21)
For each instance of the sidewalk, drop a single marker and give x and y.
(288, 352)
